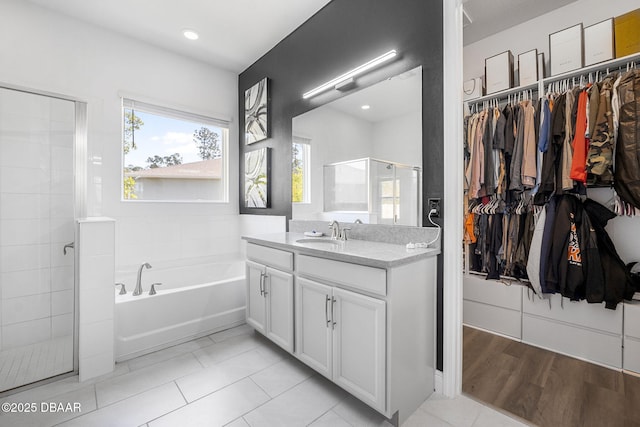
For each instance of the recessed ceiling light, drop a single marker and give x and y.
(365, 107)
(190, 34)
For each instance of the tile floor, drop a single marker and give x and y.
(235, 378)
(33, 362)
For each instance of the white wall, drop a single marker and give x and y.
(624, 231)
(399, 139)
(47, 51)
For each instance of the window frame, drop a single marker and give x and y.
(306, 175)
(162, 111)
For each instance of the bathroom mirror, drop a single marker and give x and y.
(364, 148)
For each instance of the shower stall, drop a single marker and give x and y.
(378, 191)
(38, 208)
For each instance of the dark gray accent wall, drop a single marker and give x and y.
(341, 36)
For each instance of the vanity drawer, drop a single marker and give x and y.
(270, 256)
(369, 279)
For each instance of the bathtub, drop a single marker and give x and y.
(193, 301)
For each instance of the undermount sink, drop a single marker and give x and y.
(316, 240)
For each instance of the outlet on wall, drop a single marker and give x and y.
(433, 204)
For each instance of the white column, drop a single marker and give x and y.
(96, 299)
(453, 191)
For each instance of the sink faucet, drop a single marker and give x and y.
(335, 230)
(138, 289)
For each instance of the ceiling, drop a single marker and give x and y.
(492, 16)
(394, 97)
(236, 33)
(233, 33)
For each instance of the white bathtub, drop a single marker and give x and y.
(193, 301)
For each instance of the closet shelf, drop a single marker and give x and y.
(612, 65)
(514, 280)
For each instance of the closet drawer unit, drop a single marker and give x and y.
(632, 354)
(580, 313)
(476, 288)
(632, 320)
(492, 318)
(277, 258)
(583, 343)
(360, 277)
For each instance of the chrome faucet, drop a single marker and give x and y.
(335, 230)
(138, 289)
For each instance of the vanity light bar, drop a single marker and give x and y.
(358, 70)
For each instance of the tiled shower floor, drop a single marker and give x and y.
(236, 378)
(34, 362)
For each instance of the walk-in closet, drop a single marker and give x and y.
(551, 297)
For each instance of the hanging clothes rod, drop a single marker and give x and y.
(503, 94)
(617, 64)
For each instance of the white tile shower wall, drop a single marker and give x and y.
(25, 333)
(96, 267)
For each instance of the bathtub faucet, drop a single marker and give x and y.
(138, 289)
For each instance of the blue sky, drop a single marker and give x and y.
(164, 136)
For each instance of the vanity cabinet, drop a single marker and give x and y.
(364, 314)
(342, 335)
(270, 295)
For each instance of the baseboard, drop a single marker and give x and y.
(438, 382)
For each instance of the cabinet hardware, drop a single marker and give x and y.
(262, 284)
(264, 287)
(333, 316)
(326, 309)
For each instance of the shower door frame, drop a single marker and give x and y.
(79, 210)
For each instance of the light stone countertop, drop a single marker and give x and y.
(363, 252)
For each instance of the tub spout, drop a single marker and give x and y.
(138, 289)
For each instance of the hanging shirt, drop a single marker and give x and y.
(580, 142)
(528, 171)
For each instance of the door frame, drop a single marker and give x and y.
(452, 204)
(80, 207)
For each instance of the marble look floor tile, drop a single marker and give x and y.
(301, 405)
(168, 353)
(281, 376)
(421, 418)
(239, 422)
(357, 413)
(135, 382)
(227, 349)
(65, 385)
(216, 409)
(489, 417)
(215, 377)
(134, 411)
(84, 397)
(230, 333)
(330, 419)
(460, 411)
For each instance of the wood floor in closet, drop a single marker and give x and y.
(546, 388)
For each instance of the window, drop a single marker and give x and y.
(170, 155)
(301, 170)
(390, 199)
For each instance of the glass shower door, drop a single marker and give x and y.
(37, 287)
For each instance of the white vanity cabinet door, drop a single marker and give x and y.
(313, 328)
(279, 303)
(256, 308)
(359, 346)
